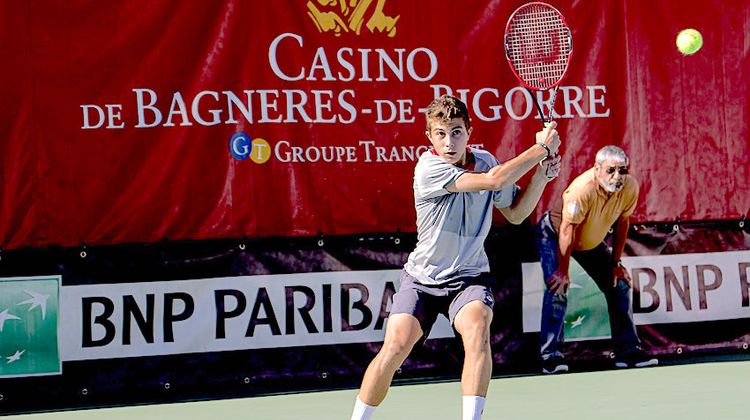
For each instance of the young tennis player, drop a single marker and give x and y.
(455, 189)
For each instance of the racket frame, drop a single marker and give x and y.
(533, 89)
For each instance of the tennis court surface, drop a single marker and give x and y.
(715, 390)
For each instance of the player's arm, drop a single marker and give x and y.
(618, 246)
(507, 174)
(559, 282)
(529, 197)
(501, 176)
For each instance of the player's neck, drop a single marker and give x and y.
(468, 162)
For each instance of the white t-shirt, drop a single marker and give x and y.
(452, 227)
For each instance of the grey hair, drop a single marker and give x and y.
(612, 153)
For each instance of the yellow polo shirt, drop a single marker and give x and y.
(586, 203)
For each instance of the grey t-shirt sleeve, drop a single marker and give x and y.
(432, 175)
(504, 198)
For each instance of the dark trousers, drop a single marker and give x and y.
(597, 263)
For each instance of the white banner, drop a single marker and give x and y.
(105, 321)
(667, 288)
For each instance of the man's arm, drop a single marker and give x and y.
(527, 200)
(559, 282)
(507, 174)
(618, 246)
(566, 238)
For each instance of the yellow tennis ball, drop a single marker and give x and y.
(689, 41)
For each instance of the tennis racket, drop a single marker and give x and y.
(538, 46)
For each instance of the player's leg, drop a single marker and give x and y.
(471, 315)
(473, 324)
(553, 306)
(409, 312)
(402, 332)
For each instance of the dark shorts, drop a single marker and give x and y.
(427, 302)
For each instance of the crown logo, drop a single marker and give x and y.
(339, 16)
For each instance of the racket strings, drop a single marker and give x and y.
(538, 46)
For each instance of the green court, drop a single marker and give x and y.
(716, 390)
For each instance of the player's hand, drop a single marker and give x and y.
(558, 283)
(549, 169)
(620, 272)
(549, 137)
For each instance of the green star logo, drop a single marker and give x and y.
(29, 312)
(586, 317)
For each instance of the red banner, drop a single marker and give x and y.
(142, 120)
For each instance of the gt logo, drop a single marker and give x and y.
(241, 146)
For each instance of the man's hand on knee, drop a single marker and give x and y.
(558, 283)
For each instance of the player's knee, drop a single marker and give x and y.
(395, 350)
(479, 332)
(390, 358)
(476, 337)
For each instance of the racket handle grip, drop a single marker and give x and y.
(546, 172)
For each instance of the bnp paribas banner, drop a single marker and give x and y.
(29, 309)
(109, 321)
(43, 323)
(666, 289)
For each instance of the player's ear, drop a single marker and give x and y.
(427, 134)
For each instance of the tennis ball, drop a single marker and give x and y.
(689, 41)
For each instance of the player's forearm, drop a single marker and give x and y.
(510, 172)
(566, 237)
(620, 237)
(526, 202)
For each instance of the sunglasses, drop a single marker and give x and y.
(622, 170)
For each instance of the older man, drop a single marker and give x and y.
(598, 199)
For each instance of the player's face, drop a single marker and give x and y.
(611, 175)
(449, 138)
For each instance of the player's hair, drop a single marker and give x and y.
(446, 108)
(612, 153)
